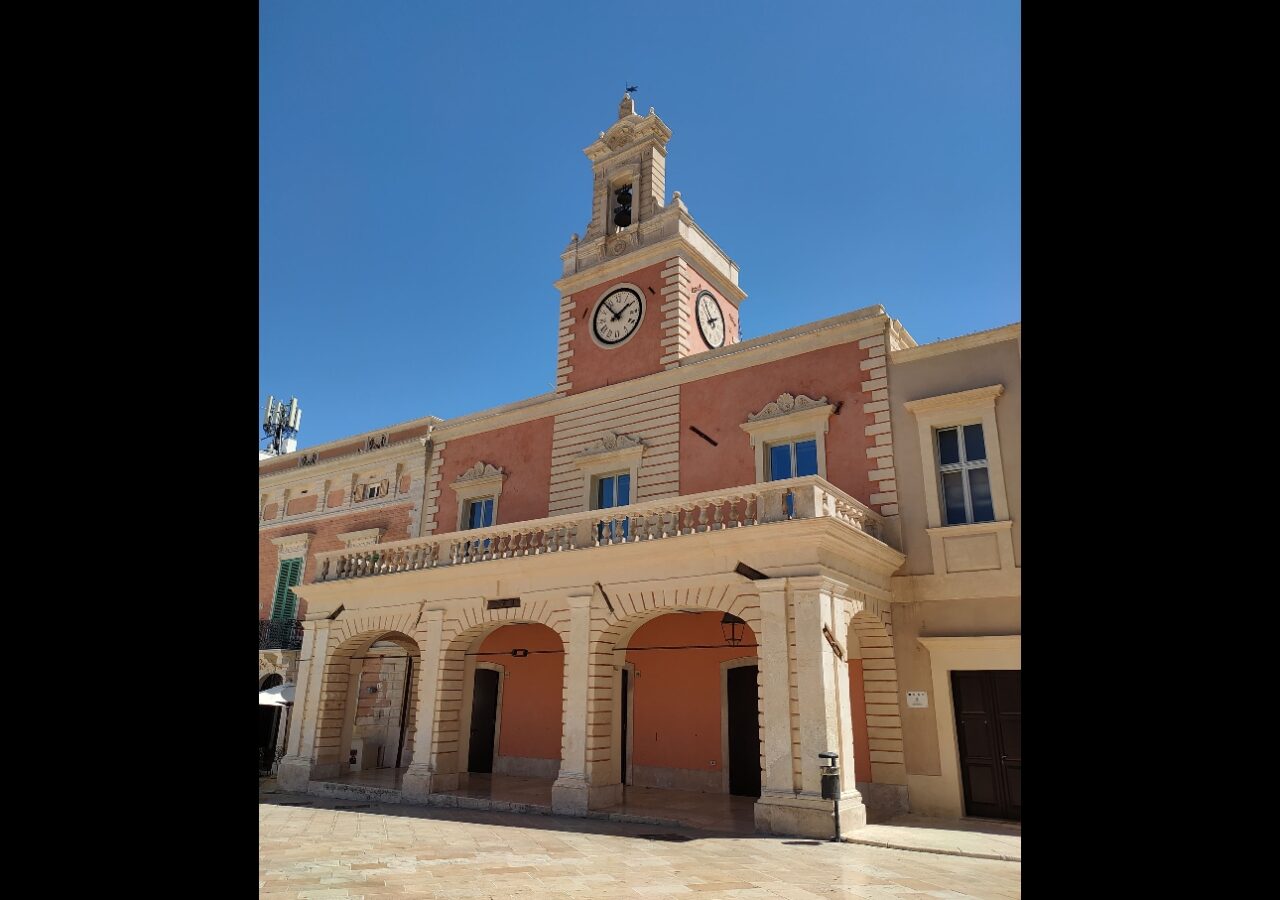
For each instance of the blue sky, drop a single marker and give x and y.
(421, 170)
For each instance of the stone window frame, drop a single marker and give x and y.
(597, 462)
(477, 483)
(975, 407)
(789, 418)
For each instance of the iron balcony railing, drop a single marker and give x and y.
(279, 634)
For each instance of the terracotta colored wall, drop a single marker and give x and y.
(522, 451)
(594, 366)
(532, 687)
(731, 329)
(676, 717)
(395, 519)
(719, 405)
(858, 704)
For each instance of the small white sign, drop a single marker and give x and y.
(918, 699)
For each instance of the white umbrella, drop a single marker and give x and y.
(280, 695)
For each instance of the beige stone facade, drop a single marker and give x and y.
(787, 484)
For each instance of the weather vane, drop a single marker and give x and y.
(631, 88)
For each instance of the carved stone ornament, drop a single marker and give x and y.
(609, 443)
(479, 470)
(785, 404)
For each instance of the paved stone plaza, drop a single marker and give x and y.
(318, 847)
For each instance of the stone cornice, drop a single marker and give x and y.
(977, 398)
(625, 132)
(842, 329)
(328, 467)
(963, 342)
(721, 272)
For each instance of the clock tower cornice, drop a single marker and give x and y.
(671, 233)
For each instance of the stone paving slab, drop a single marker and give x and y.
(974, 838)
(404, 850)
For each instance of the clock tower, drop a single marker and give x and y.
(644, 287)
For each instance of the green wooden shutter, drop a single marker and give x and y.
(285, 604)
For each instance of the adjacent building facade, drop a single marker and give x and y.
(695, 565)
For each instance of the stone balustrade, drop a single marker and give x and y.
(807, 497)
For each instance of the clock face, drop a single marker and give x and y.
(710, 320)
(617, 317)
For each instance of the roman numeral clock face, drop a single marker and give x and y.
(617, 317)
(710, 320)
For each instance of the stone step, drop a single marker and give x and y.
(355, 792)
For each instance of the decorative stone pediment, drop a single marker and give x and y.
(478, 471)
(629, 129)
(357, 539)
(292, 545)
(787, 404)
(611, 443)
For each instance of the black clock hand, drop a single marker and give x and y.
(625, 307)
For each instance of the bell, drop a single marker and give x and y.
(624, 196)
(622, 217)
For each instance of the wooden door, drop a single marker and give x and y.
(988, 708)
(484, 721)
(744, 732)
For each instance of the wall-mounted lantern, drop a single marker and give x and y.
(732, 627)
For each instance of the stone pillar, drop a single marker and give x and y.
(574, 791)
(775, 677)
(826, 720)
(295, 769)
(423, 778)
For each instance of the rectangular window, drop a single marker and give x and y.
(792, 460)
(612, 491)
(962, 470)
(285, 604)
(372, 490)
(480, 512)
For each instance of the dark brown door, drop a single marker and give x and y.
(484, 721)
(989, 729)
(626, 708)
(744, 732)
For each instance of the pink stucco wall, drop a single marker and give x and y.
(718, 406)
(531, 690)
(595, 366)
(522, 451)
(676, 716)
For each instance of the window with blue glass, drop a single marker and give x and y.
(611, 491)
(962, 467)
(791, 460)
(480, 512)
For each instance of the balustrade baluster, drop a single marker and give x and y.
(717, 518)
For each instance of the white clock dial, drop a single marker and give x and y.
(710, 320)
(617, 317)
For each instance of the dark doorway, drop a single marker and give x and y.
(744, 732)
(626, 711)
(268, 726)
(404, 707)
(484, 721)
(989, 731)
